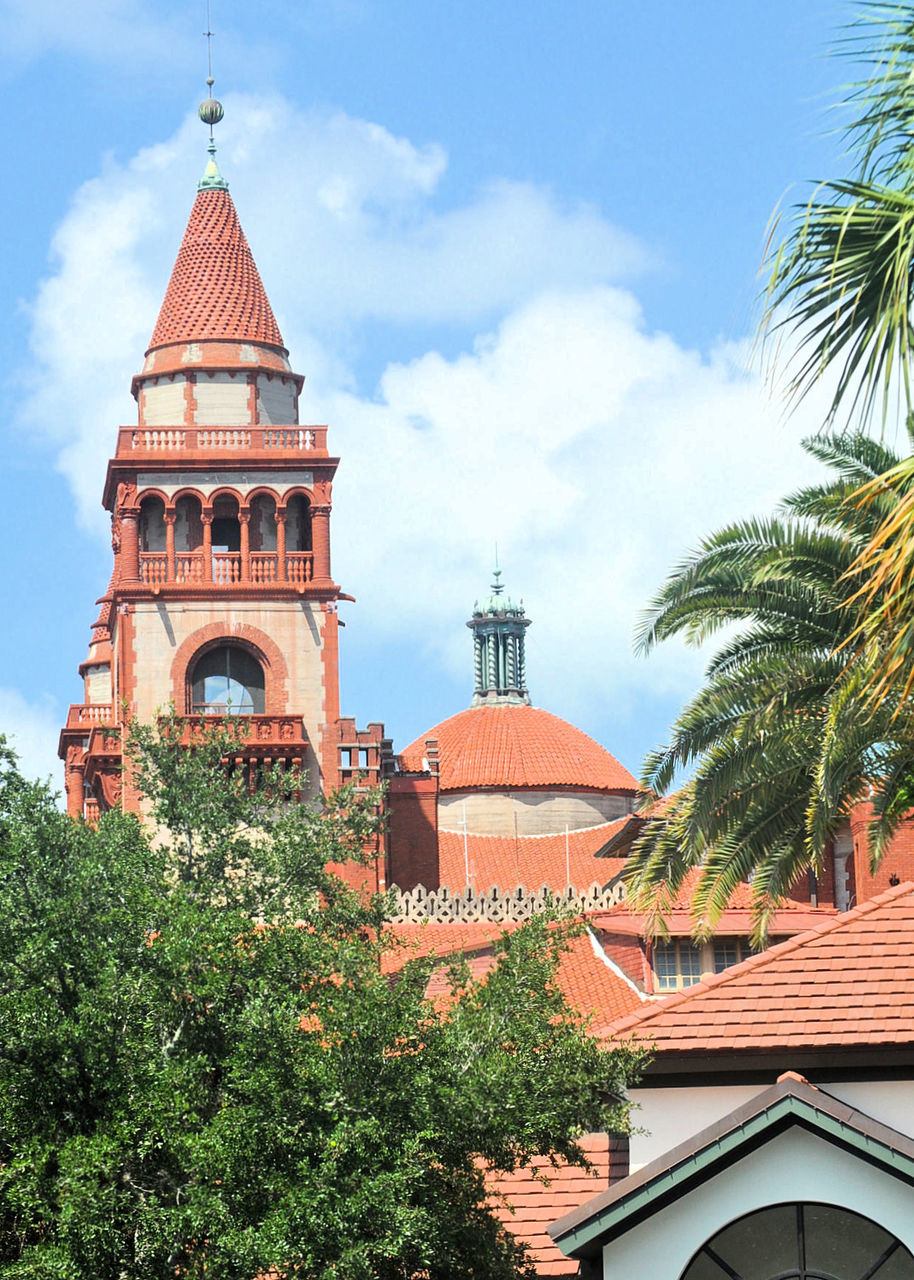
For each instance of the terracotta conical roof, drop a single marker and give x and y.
(215, 292)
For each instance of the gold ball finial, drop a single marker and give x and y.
(211, 111)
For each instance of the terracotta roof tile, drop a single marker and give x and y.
(589, 984)
(805, 993)
(527, 1207)
(505, 862)
(517, 746)
(215, 291)
(791, 916)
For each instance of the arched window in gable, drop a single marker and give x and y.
(801, 1242)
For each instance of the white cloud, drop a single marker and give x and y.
(593, 450)
(343, 220)
(107, 31)
(31, 729)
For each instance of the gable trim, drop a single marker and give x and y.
(788, 1104)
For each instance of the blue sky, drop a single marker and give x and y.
(513, 247)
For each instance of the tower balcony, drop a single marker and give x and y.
(92, 745)
(260, 443)
(226, 569)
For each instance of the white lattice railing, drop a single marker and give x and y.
(498, 905)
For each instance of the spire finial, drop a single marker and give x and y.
(211, 112)
(498, 627)
(497, 586)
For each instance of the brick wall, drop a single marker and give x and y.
(413, 831)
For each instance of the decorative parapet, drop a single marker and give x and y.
(87, 714)
(500, 906)
(265, 441)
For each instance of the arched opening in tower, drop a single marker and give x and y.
(227, 680)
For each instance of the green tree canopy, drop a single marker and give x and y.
(205, 1070)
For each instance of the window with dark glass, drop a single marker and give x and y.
(802, 1242)
(227, 681)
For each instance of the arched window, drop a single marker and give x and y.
(802, 1242)
(226, 526)
(152, 524)
(227, 680)
(298, 523)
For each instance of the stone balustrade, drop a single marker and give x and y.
(227, 569)
(88, 714)
(160, 441)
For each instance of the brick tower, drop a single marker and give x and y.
(221, 599)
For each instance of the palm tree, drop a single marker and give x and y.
(840, 298)
(778, 742)
(841, 283)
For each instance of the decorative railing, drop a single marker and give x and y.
(299, 565)
(261, 731)
(227, 568)
(89, 714)
(188, 566)
(263, 566)
(500, 906)
(288, 439)
(153, 568)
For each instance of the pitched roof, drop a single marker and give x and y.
(532, 861)
(847, 982)
(527, 1206)
(507, 746)
(588, 982)
(792, 1101)
(791, 916)
(215, 291)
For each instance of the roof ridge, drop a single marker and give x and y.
(762, 959)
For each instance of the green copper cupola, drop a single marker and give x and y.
(498, 626)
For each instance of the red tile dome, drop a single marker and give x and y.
(516, 746)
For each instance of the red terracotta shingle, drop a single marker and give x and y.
(505, 862)
(808, 992)
(517, 746)
(215, 291)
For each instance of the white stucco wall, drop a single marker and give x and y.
(163, 403)
(797, 1165)
(297, 628)
(670, 1116)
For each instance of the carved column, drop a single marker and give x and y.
(74, 782)
(280, 518)
(320, 540)
(170, 518)
(207, 520)
(244, 520)
(130, 544)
